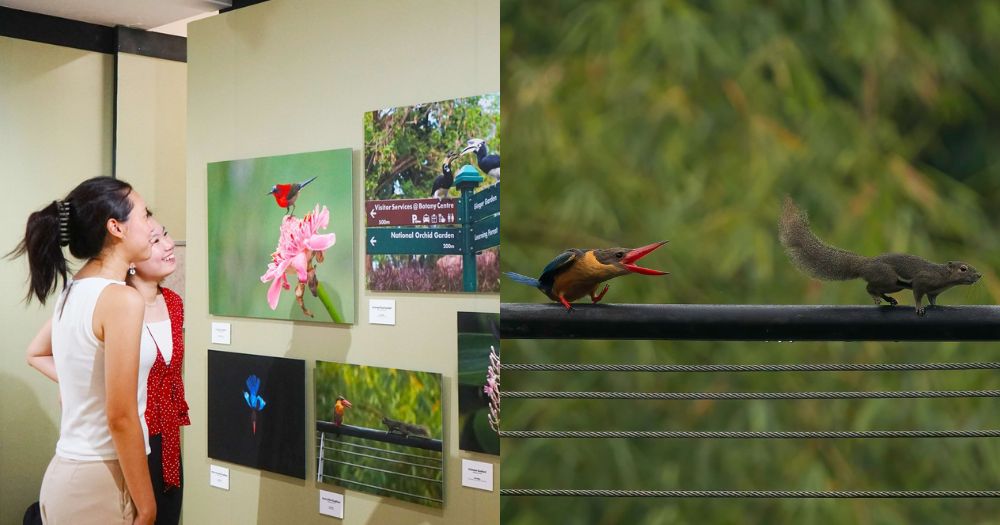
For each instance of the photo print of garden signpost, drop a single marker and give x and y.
(281, 237)
(256, 411)
(378, 430)
(432, 174)
(478, 335)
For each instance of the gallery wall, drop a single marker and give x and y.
(55, 130)
(151, 121)
(291, 76)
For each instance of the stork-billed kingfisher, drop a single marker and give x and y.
(575, 273)
(338, 410)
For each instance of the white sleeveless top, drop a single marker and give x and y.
(79, 359)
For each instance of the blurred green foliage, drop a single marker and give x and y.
(402, 395)
(628, 122)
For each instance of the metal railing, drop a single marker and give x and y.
(748, 323)
(337, 449)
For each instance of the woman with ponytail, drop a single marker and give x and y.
(99, 473)
(161, 353)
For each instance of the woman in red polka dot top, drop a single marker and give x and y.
(163, 343)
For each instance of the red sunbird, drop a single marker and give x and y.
(286, 194)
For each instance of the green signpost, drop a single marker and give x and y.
(486, 233)
(437, 241)
(486, 203)
(478, 221)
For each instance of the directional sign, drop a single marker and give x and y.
(486, 203)
(486, 233)
(409, 212)
(437, 241)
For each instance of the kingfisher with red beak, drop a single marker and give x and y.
(576, 273)
(286, 194)
(338, 410)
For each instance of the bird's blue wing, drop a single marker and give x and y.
(562, 261)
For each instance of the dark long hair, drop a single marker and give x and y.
(87, 209)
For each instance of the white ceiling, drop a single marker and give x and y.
(138, 14)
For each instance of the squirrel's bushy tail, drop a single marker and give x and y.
(812, 255)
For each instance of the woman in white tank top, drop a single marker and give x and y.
(99, 474)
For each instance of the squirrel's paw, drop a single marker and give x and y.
(921, 311)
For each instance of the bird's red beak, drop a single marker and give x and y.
(346, 403)
(631, 257)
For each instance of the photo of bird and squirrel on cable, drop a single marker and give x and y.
(371, 423)
(639, 122)
(576, 273)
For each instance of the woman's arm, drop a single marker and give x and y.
(39, 353)
(118, 317)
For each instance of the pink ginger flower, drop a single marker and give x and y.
(492, 389)
(298, 245)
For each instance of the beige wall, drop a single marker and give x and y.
(291, 76)
(55, 131)
(150, 149)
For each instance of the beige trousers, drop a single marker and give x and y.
(85, 493)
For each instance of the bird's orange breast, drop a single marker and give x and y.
(580, 279)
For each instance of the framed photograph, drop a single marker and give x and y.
(281, 237)
(422, 164)
(478, 333)
(379, 430)
(256, 411)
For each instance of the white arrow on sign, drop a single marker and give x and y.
(372, 240)
(372, 213)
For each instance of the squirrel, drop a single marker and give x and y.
(403, 428)
(885, 274)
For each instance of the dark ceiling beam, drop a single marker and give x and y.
(151, 44)
(57, 31)
(237, 4)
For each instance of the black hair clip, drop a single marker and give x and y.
(63, 208)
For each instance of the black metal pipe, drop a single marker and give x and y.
(379, 435)
(718, 322)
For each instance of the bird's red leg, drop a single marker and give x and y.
(565, 302)
(598, 297)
